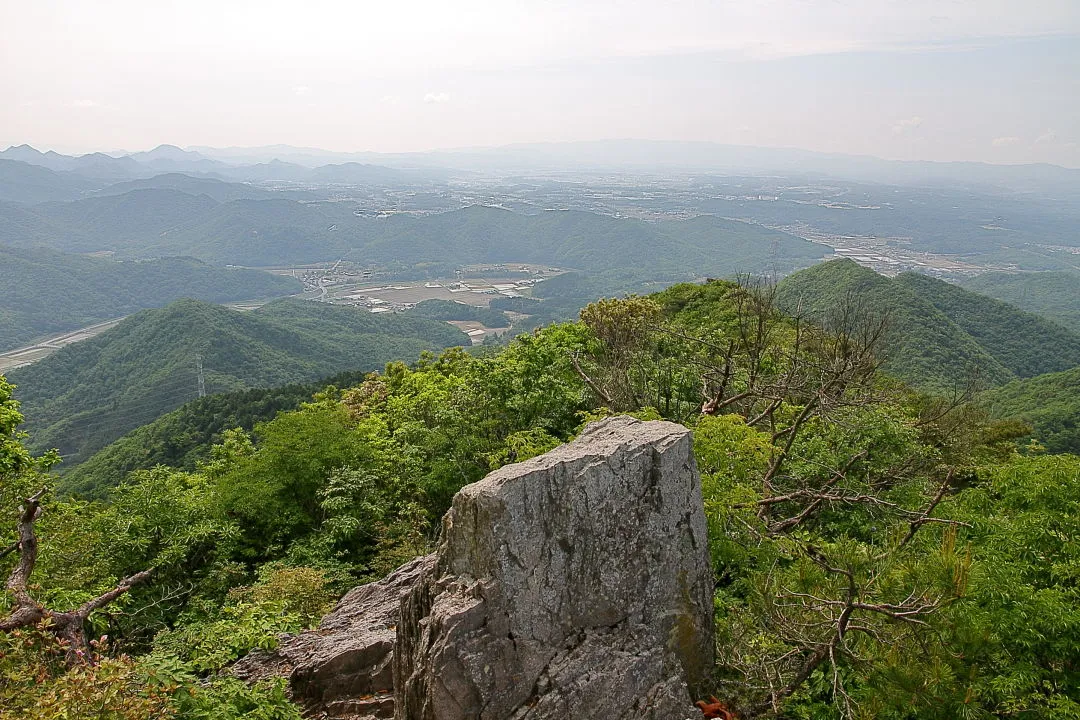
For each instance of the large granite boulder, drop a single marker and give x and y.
(574, 585)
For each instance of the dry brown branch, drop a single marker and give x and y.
(925, 516)
(590, 382)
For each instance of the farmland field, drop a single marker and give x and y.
(343, 283)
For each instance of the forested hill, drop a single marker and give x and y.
(1023, 342)
(253, 232)
(1054, 295)
(1049, 403)
(23, 182)
(219, 190)
(45, 292)
(452, 310)
(92, 392)
(183, 437)
(940, 335)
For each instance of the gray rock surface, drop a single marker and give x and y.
(574, 585)
(343, 669)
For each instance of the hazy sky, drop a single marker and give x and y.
(995, 80)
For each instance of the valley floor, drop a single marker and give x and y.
(29, 354)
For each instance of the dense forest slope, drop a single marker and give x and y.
(1023, 342)
(143, 218)
(1054, 295)
(166, 221)
(940, 336)
(47, 292)
(453, 310)
(183, 437)
(1049, 403)
(90, 393)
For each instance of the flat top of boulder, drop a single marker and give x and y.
(601, 438)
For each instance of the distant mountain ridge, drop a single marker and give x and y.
(259, 232)
(172, 159)
(166, 152)
(90, 393)
(97, 165)
(219, 190)
(105, 166)
(28, 183)
(694, 156)
(611, 154)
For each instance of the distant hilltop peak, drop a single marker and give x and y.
(166, 152)
(18, 152)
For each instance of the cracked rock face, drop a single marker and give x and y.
(574, 585)
(343, 669)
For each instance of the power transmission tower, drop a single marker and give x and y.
(774, 259)
(202, 378)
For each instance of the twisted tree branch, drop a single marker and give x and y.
(69, 626)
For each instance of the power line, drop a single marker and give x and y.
(202, 378)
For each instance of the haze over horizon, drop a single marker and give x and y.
(993, 80)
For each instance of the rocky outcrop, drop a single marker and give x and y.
(573, 585)
(343, 669)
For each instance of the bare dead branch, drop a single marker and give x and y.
(590, 382)
(68, 625)
(18, 581)
(122, 587)
(925, 516)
